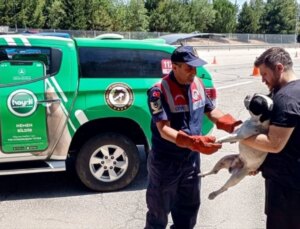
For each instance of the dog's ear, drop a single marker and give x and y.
(267, 113)
(257, 105)
(262, 106)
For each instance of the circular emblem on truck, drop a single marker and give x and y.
(22, 103)
(119, 96)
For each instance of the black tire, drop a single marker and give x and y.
(107, 162)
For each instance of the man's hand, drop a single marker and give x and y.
(227, 123)
(202, 144)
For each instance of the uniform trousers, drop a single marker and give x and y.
(174, 187)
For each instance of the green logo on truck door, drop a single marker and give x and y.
(23, 122)
(22, 103)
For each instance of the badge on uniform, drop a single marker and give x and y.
(155, 102)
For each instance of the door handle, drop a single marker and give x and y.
(48, 102)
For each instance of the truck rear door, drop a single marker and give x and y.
(36, 96)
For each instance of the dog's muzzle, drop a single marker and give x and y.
(247, 101)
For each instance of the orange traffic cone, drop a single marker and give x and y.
(255, 71)
(214, 61)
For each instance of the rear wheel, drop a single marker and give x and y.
(107, 162)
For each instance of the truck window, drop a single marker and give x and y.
(49, 56)
(120, 63)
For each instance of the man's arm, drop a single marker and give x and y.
(214, 115)
(166, 131)
(201, 144)
(273, 142)
(224, 122)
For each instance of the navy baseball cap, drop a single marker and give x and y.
(186, 54)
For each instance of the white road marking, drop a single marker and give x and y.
(233, 85)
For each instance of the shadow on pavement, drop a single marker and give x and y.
(53, 185)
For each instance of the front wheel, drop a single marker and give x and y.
(107, 162)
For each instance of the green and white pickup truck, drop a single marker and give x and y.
(83, 99)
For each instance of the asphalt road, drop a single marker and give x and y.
(58, 200)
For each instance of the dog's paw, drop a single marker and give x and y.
(201, 175)
(212, 195)
(221, 140)
(228, 139)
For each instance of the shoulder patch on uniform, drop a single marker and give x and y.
(155, 101)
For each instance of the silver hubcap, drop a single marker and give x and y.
(108, 163)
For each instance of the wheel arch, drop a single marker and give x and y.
(124, 126)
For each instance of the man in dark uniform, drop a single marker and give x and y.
(281, 169)
(178, 104)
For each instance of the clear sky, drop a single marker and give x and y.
(241, 2)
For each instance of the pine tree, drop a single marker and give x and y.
(279, 17)
(74, 17)
(225, 21)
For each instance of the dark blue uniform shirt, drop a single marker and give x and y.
(189, 118)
